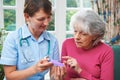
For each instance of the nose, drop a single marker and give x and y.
(46, 21)
(77, 35)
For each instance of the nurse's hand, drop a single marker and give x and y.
(43, 65)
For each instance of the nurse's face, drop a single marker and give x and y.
(39, 21)
(83, 39)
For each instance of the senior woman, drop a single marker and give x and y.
(86, 57)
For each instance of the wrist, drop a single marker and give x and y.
(78, 70)
(34, 70)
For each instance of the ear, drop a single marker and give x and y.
(95, 37)
(26, 17)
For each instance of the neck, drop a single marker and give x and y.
(36, 34)
(88, 47)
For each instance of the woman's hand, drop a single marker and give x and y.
(42, 65)
(77, 79)
(57, 73)
(72, 63)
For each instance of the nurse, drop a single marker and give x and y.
(25, 49)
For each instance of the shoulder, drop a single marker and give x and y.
(12, 39)
(68, 41)
(50, 37)
(13, 34)
(104, 46)
(106, 51)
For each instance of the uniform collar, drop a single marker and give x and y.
(25, 32)
(44, 36)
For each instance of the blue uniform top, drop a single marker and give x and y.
(28, 51)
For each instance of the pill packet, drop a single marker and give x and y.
(55, 62)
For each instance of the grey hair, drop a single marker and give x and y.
(90, 23)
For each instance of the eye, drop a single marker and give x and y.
(75, 31)
(49, 17)
(85, 34)
(41, 19)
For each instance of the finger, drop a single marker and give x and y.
(46, 65)
(63, 72)
(46, 59)
(43, 60)
(54, 74)
(65, 63)
(57, 73)
(70, 63)
(69, 60)
(66, 57)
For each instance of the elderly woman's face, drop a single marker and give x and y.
(83, 39)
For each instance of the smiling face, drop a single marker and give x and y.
(38, 22)
(82, 39)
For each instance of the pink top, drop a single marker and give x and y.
(96, 63)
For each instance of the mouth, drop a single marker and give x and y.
(43, 27)
(78, 42)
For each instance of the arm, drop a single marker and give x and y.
(107, 67)
(12, 74)
(9, 60)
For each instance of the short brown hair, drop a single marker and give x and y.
(32, 6)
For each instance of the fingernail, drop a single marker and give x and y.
(73, 67)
